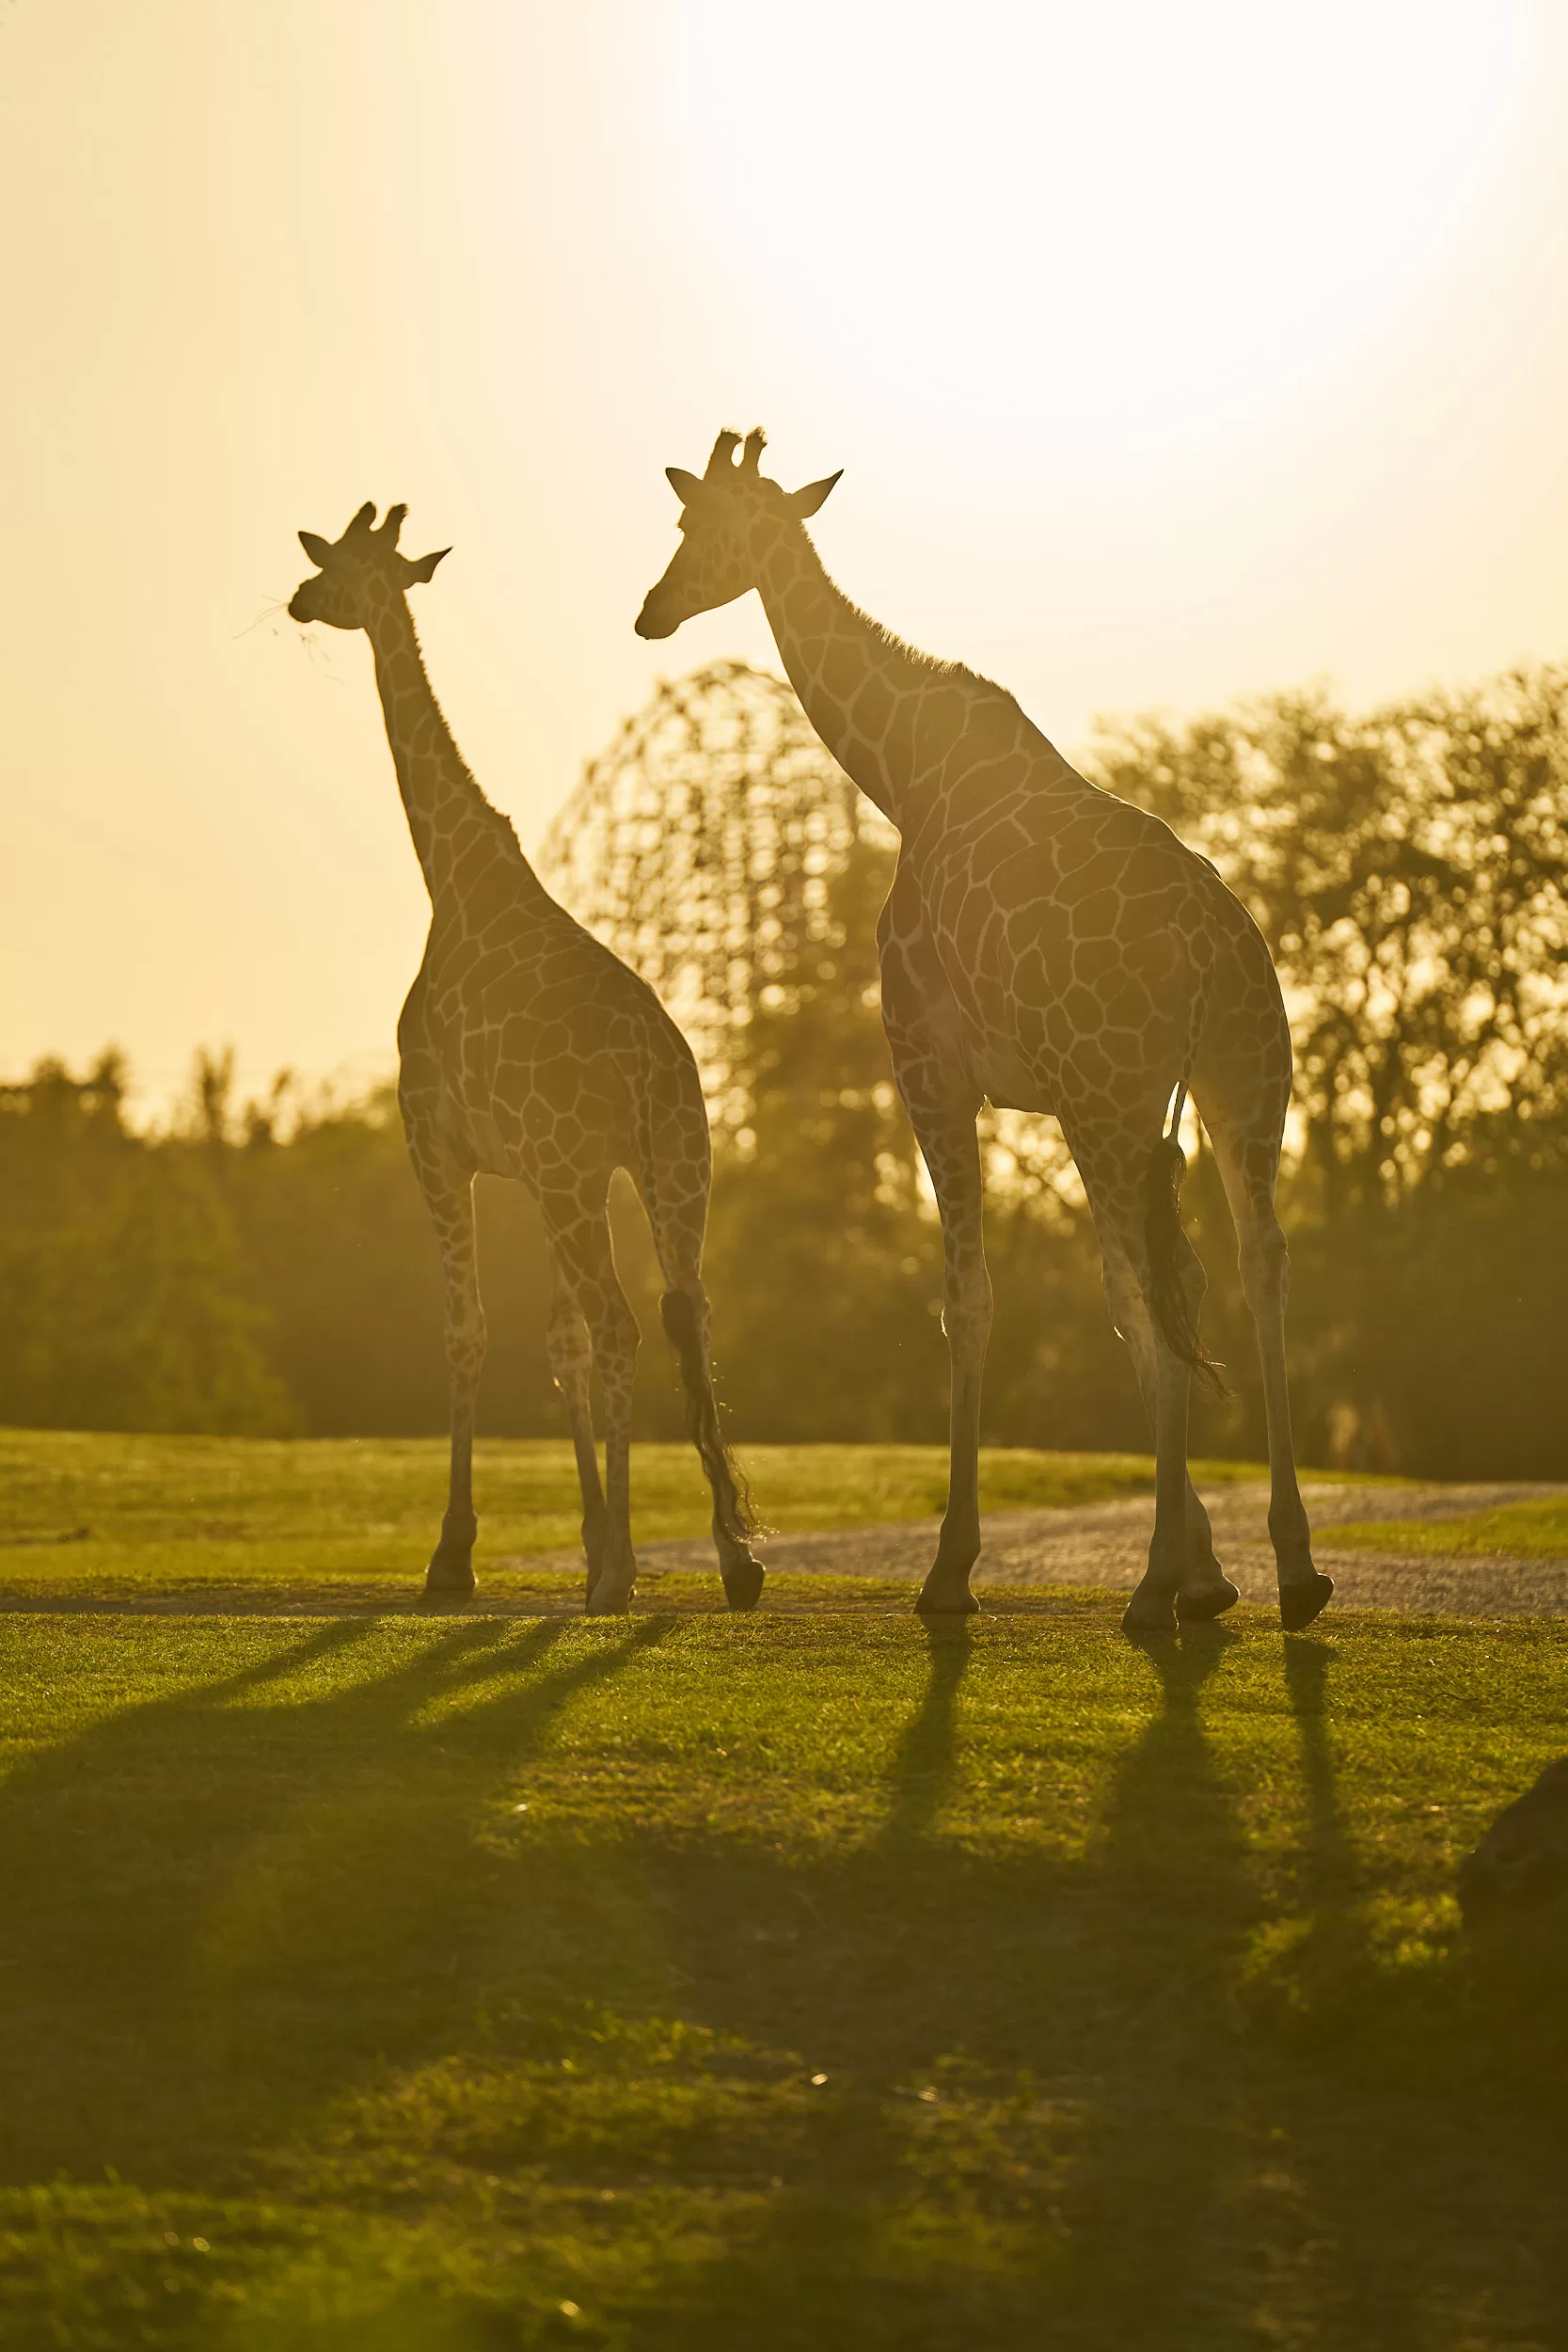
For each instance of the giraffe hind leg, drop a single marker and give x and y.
(673, 1177)
(1155, 1606)
(688, 1325)
(578, 1227)
(1115, 1165)
(1247, 1163)
(570, 1359)
(685, 1313)
(1205, 1591)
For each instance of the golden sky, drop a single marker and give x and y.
(1171, 353)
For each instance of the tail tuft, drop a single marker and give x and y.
(731, 1495)
(1165, 1244)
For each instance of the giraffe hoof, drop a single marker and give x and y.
(1150, 1612)
(608, 1597)
(947, 1602)
(743, 1583)
(1196, 1604)
(1301, 1601)
(448, 1580)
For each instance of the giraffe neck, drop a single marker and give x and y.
(853, 679)
(452, 824)
(903, 726)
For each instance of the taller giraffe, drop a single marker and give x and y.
(527, 1050)
(1055, 950)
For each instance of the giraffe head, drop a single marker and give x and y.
(718, 557)
(358, 573)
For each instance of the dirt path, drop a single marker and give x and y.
(1106, 1542)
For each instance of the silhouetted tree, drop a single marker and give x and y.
(123, 1292)
(1408, 869)
(269, 1263)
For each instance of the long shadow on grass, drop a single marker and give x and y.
(927, 1757)
(1364, 2005)
(218, 1909)
(1044, 2118)
(1008, 2146)
(1051, 2116)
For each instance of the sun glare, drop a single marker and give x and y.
(1100, 213)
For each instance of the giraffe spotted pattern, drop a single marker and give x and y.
(1054, 949)
(527, 1050)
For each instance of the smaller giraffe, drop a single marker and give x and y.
(527, 1050)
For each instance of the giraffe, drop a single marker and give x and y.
(1055, 950)
(527, 1049)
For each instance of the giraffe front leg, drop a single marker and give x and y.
(952, 1153)
(448, 1195)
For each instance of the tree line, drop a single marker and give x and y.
(268, 1266)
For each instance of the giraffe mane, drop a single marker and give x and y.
(954, 673)
(500, 824)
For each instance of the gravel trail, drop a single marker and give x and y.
(1101, 1545)
(1105, 1544)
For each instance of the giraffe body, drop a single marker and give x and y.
(527, 1050)
(1054, 949)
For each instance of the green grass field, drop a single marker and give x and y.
(117, 1514)
(705, 1983)
(402, 1984)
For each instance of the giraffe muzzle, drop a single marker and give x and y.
(653, 623)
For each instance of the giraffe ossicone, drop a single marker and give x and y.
(527, 1049)
(1055, 950)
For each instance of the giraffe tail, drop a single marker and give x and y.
(733, 1504)
(1168, 1251)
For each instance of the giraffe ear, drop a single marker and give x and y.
(317, 549)
(805, 502)
(685, 485)
(417, 572)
